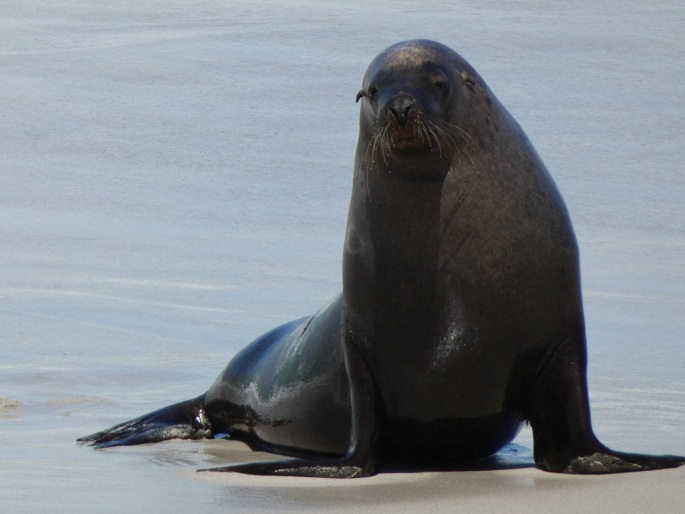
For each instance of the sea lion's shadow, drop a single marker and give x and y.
(512, 456)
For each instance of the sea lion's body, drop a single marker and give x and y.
(461, 314)
(293, 379)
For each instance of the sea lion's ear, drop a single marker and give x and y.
(369, 92)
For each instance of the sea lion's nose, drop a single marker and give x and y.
(400, 107)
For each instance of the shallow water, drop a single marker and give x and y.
(176, 179)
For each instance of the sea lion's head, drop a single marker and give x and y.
(415, 95)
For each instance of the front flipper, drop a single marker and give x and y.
(360, 460)
(300, 468)
(560, 416)
(609, 461)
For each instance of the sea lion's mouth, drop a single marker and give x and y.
(410, 140)
(411, 145)
(417, 139)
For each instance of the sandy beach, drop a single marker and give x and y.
(176, 180)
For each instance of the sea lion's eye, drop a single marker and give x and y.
(468, 80)
(439, 81)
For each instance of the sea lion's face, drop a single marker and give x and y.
(412, 101)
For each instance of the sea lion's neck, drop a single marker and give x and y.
(392, 242)
(404, 228)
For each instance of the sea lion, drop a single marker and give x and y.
(460, 317)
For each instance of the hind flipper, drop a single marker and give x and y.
(185, 420)
(340, 468)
